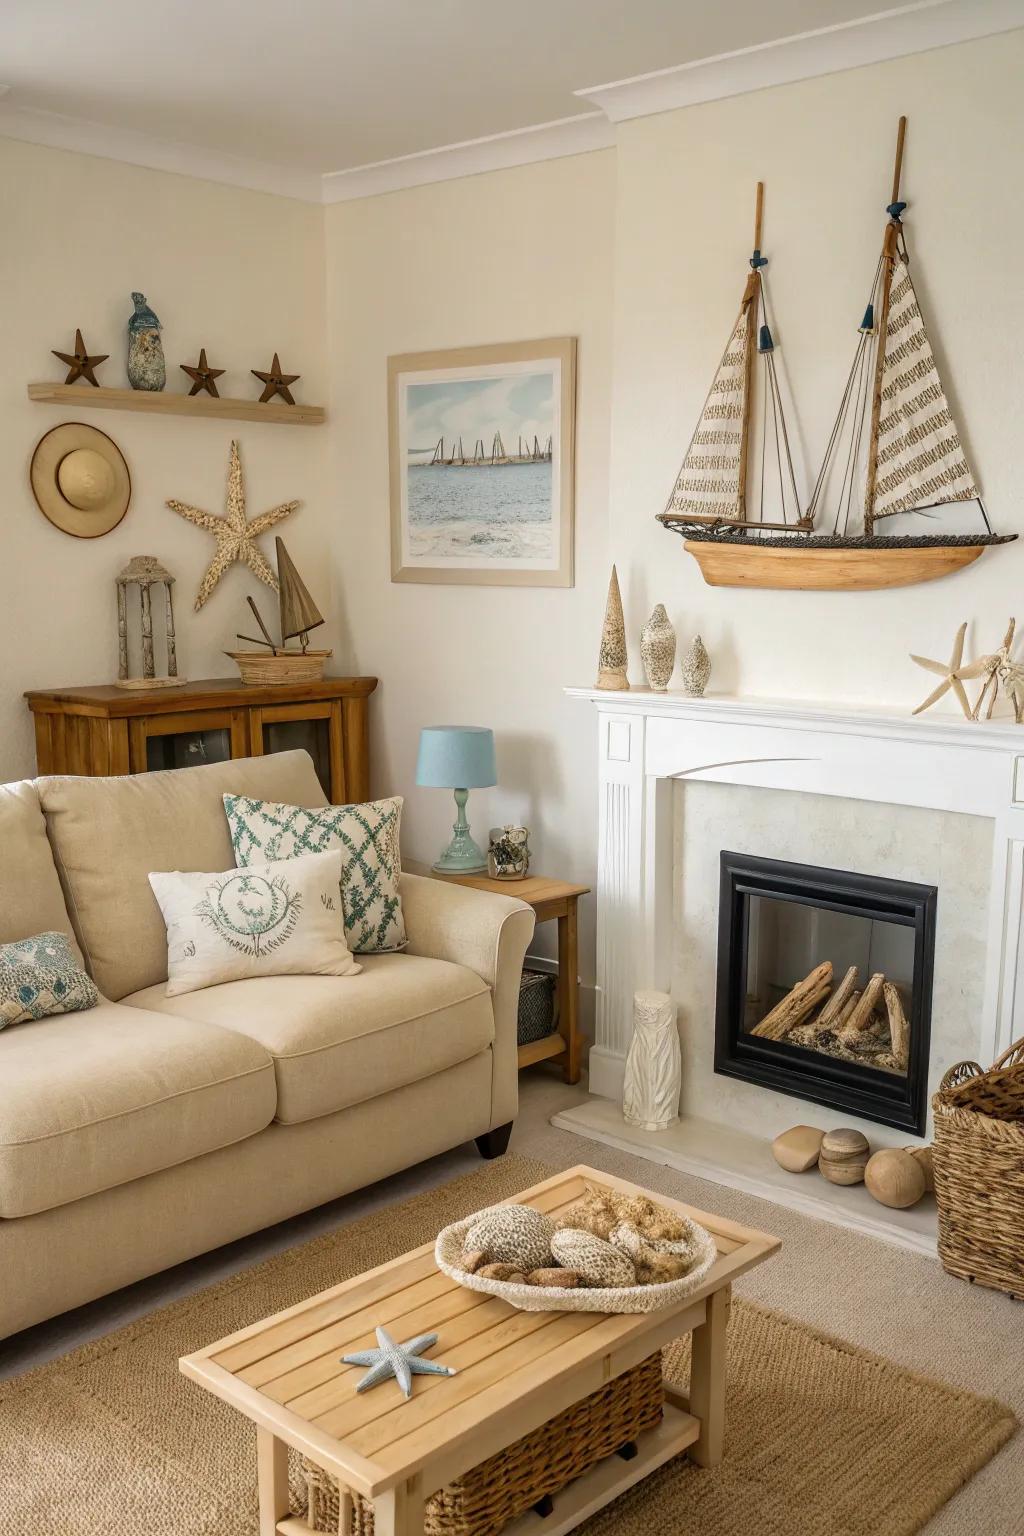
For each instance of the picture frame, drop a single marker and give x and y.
(481, 449)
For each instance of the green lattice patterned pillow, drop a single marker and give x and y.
(39, 977)
(371, 864)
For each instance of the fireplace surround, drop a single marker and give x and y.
(647, 743)
(798, 946)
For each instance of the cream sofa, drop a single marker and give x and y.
(150, 1129)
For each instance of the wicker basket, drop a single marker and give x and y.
(505, 1486)
(274, 669)
(537, 1013)
(979, 1172)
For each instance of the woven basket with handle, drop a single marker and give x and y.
(978, 1158)
(505, 1486)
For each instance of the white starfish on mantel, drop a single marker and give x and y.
(398, 1360)
(953, 673)
(236, 536)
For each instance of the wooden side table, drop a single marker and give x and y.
(551, 900)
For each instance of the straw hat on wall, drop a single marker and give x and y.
(80, 480)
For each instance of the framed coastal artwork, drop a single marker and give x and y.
(480, 442)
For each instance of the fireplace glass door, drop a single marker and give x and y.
(825, 985)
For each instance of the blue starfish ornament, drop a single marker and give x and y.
(398, 1360)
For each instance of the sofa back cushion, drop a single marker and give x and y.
(31, 901)
(109, 835)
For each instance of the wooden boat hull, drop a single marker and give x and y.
(803, 568)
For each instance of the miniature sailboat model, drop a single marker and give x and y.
(713, 490)
(894, 449)
(276, 664)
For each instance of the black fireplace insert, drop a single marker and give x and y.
(825, 986)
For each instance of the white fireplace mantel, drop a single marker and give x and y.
(646, 740)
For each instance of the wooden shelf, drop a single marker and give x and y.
(164, 404)
(541, 1050)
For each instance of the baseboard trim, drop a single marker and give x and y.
(744, 1162)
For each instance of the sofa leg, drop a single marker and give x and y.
(494, 1143)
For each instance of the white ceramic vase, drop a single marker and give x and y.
(650, 1092)
(658, 649)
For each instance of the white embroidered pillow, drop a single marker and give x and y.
(371, 867)
(279, 919)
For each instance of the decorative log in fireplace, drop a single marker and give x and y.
(824, 986)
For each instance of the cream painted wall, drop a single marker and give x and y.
(238, 272)
(683, 232)
(519, 254)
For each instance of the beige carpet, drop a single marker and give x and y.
(823, 1438)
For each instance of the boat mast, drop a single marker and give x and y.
(892, 230)
(751, 305)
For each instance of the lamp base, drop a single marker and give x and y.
(463, 856)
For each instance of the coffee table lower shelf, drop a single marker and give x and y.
(677, 1431)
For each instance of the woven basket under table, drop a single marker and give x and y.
(978, 1159)
(487, 1498)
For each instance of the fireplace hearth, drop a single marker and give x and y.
(824, 986)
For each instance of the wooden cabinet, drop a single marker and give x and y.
(109, 730)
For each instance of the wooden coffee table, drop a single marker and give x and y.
(516, 1370)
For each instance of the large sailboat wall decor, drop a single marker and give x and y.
(894, 449)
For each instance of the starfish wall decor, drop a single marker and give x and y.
(80, 364)
(276, 382)
(402, 1361)
(236, 535)
(202, 375)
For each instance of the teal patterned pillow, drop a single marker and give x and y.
(371, 864)
(39, 977)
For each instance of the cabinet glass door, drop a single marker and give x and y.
(313, 728)
(186, 740)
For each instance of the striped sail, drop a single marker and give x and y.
(708, 482)
(921, 461)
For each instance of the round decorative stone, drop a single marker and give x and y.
(843, 1156)
(595, 1261)
(513, 1234)
(895, 1178)
(797, 1150)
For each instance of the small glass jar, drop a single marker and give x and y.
(508, 857)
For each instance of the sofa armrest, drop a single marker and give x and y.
(488, 934)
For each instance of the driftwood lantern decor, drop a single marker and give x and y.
(145, 573)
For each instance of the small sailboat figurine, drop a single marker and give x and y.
(276, 664)
(712, 490)
(894, 448)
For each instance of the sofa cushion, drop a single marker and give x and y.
(91, 1100)
(337, 1041)
(108, 835)
(31, 900)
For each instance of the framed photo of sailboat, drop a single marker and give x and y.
(480, 445)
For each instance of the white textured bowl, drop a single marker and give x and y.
(542, 1298)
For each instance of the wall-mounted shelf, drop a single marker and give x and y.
(163, 404)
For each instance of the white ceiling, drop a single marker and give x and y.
(325, 85)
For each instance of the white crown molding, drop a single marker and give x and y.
(849, 45)
(123, 144)
(498, 151)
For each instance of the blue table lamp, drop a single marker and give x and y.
(458, 757)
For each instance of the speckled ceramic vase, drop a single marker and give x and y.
(695, 668)
(658, 649)
(146, 366)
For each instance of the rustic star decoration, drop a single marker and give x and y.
(80, 364)
(276, 382)
(402, 1361)
(202, 375)
(236, 536)
(953, 673)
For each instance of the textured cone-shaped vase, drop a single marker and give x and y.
(658, 649)
(612, 660)
(695, 668)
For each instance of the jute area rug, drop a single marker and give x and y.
(822, 1438)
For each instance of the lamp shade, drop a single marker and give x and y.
(456, 757)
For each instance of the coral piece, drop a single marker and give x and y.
(601, 1211)
(513, 1234)
(564, 1279)
(595, 1261)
